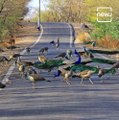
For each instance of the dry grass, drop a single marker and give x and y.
(108, 42)
(83, 37)
(5, 44)
(25, 40)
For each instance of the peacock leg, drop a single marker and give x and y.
(81, 80)
(91, 81)
(22, 75)
(33, 85)
(67, 81)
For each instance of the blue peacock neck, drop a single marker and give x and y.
(79, 58)
(57, 74)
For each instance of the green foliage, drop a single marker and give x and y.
(104, 29)
(10, 12)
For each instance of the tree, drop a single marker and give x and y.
(10, 12)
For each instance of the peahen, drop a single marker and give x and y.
(4, 59)
(67, 54)
(52, 43)
(65, 73)
(88, 53)
(43, 50)
(42, 58)
(28, 50)
(35, 78)
(86, 74)
(21, 69)
(1, 50)
(73, 62)
(15, 57)
(57, 44)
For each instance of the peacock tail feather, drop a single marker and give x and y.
(80, 67)
(50, 64)
(111, 71)
(100, 60)
(103, 51)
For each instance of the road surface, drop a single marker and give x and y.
(56, 100)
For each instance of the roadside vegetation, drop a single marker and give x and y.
(84, 11)
(11, 14)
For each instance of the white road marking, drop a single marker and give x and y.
(10, 70)
(71, 38)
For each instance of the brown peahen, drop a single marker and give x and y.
(65, 73)
(35, 78)
(86, 74)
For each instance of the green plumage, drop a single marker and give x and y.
(103, 51)
(49, 65)
(106, 61)
(77, 68)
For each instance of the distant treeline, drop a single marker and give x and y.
(76, 10)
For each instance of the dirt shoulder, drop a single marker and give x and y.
(24, 37)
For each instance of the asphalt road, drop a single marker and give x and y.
(56, 100)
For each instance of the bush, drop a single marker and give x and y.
(104, 29)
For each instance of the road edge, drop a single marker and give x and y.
(10, 70)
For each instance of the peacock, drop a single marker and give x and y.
(85, 54)
(57, 44)
(12, 47)
(97, 70)
(21, 69)
(88, 53)
(52, 43)
(4, 83)
(1, 50)
(22, 65)
(15, 57)
(43, 50)
(92, 43)
(27, 63)
(50, 64)
(42, 58)
(31, 70)
(116, 65)
(4, 59)
(28, 50)
(105, 61)
(107, 52)
(65, 73)
(69, 62)
(34, 78)
(67, 54)
(86, 74)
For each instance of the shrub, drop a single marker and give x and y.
(103, 29)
